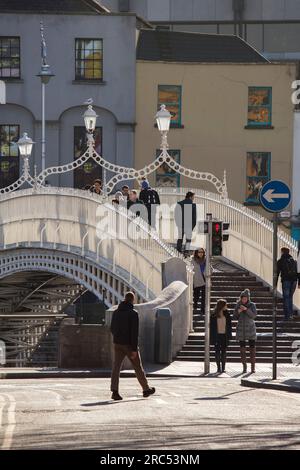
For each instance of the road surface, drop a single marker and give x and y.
(195, 413)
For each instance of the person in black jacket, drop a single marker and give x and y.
(220, 333)
(125, 331)
(185, 219)
(135, 205)
(151, 200)
(287, 268)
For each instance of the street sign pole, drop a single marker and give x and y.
(274, 319)
(207, 294)
(275, 196)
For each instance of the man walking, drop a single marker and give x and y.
(287, 268)
(125, 331)
(151, 200)
(186, 219)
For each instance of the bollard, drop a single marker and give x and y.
(163, 336)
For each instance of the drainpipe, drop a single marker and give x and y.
(238, 7)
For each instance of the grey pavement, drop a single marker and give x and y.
(175, 369)
(185, 413)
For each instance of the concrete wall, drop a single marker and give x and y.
(296, 164)
(175, 297)
(82, 346)
(210, 10)
(114, 98)
(214, 115)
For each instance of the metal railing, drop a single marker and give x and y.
(251, 234)
(51, 217)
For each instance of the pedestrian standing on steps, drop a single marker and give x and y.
(245, 312)
(199, 264)
(125, 331)
(287, 269)
(220, 333)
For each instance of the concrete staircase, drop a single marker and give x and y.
(228, 284)
(45, 353)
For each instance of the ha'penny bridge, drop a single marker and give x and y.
(53, 254)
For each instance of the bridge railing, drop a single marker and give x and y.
(75, 221)
(251, 234)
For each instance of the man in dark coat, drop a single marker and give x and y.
(151, 200)
(287, 269)
(125, 331)
(185, 219)
(135, 205)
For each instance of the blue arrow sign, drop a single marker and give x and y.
(275, 196)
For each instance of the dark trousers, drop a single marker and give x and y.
(288, 290)
(120, 352)
(220, 350)
(199, 294)
(188, 239)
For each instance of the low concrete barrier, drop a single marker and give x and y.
(176, 298)
(84, 346)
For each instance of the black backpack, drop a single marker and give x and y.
(289, 269)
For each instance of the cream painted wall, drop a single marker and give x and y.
(214, 114)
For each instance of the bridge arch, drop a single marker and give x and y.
(95, 277)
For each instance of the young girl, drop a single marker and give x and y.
(199, 264)
(220, 333)
(245, 313)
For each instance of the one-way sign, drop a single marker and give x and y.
(275, 196)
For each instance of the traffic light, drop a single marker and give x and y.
(219, 235)
(217, 238)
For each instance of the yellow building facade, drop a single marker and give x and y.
(237, 117)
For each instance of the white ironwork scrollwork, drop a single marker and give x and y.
(122, 173)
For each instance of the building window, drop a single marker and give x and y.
(86, 174)
(9, 154)
(89, 59)
(165, 175)
(9, 57)
(258, 173)
(260, 106)
(170, 95)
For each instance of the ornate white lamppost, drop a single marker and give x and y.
(163, 120)
(25, 145)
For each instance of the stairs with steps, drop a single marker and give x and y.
(45, 353)
(228, 284)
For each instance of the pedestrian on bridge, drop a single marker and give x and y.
(220, 333)
(97, 187)
(151, 200)
(287, 269)
(185, 219)
(199, 264)
(125, 331)
(245, 312)
(135, 205)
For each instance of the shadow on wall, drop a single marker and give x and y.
(176, 298)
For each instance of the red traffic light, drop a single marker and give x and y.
(217, 227)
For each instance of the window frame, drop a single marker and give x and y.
(9, 157)
(74, 150)
(260, 125)
(177, 124)
(256, 202)
(175, 174)
(83, 79)
(1, 58)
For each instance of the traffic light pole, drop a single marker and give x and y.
(274, 292)
(207, 296)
